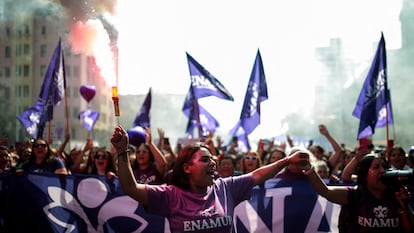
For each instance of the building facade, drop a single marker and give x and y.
(27, 42)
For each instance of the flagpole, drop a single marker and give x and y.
(49, 138)
(196, 112)
(67, 115)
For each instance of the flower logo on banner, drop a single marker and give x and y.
(63, 199)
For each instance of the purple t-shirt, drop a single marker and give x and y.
(211, 211)
(149, 176)
(374, 215)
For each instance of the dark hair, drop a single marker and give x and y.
(228, 157)
(49, 156)
(110, 166)
(363, 167)
(135, 164)
(179, 178)
(275, 149)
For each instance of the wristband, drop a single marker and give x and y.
(401, 211)
(125, 152)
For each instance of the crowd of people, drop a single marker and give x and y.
(206, 180)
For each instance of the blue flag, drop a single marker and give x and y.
(51, 93)
(255, 94)
(205, 84)
(374, 104)
(207, 122)
(89, 118)
(143, 116)
(243, 144)
(30, 118)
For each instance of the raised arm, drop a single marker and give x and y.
(62, 146)
(335, 194)
(160, 161)
(129, 185)
(352, 165)
(263, 173)
(334, 158)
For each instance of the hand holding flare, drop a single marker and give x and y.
(115, 98)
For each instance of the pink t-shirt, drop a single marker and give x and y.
(211, 211)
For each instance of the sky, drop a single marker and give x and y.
(224, 36)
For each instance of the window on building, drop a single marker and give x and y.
(26, 29)
(18, 91)
(7, 92)
(43, 50)
(18, 70)
(8, 32)
(43, 30)
(18, 50)
(26, 91)
(42, 70)
(7, 52)
(26, 71)
(26, 49)
(7, 72)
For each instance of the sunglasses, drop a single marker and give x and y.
(100, 156)
(250, 157)
(40, 145)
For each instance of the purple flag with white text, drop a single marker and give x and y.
(205, 84)
(373, 107)
(256, 93)
(51, 93)
(30, 118)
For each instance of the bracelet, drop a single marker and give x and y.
(401, 211)
(125, 152)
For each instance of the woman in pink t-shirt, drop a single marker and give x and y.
(195, 201)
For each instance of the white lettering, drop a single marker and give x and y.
(323, 208)
(201, 82)
(209, 223)
(378, 222)
(279, 196)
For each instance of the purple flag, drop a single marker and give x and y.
(89, 118)
(30, 118)
(205, 84)
(207, 121)
(255, 94)
(243, 144)
(51, 93)
(374, 102)
(143, 117)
